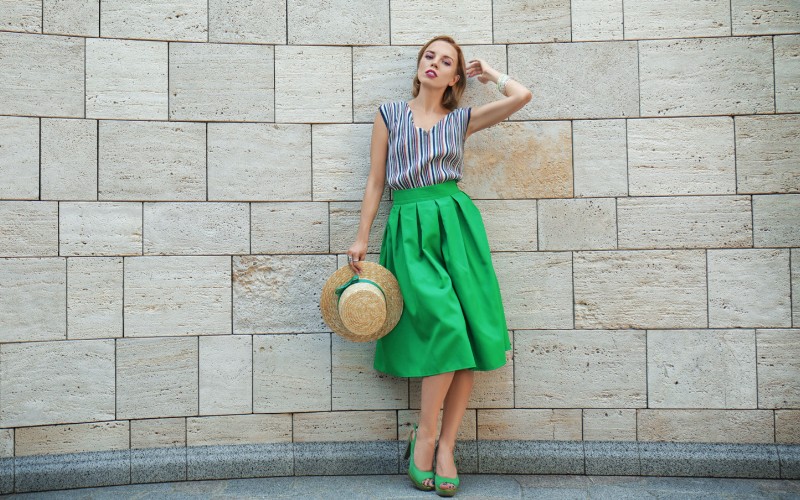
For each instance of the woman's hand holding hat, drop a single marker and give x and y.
(356, 255)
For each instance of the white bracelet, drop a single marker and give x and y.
(501, 83)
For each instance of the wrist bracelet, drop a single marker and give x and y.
(501, 83)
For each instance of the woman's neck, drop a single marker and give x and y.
(427, 101)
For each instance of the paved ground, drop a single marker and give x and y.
(472, 486)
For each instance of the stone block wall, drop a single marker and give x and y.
(178, 179)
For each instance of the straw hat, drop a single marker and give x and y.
(361, 307)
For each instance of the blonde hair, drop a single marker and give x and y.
(452, 94)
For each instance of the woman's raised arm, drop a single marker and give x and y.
(486, 115)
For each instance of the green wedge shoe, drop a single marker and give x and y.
(417, 476)
(445, 492)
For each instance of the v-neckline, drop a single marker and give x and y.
(411, 117)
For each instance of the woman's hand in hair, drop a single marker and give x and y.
(481, 69)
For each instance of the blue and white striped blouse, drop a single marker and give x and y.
(419, 157)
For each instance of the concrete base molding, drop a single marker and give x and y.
(618, 458)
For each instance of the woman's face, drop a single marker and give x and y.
(438, 66)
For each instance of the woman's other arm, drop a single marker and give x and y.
(486, 115)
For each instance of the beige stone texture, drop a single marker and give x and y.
(279, 293)
(33, 299)
(764, 17)
(72, 438)
(221, 82)
(344, 220)
(414, 22)
(676, 19)
(42, 75)
(313, 84)
(730, 75)
(56, 382)
(151, 161)
(259, 162)
(787, 426)
(381, 74)
(787, 73)
(341, 158)
(706, 426)
(599, 157)
(289, 227)
(536, 288)
(577, 224)
(749, 288)
(795, 278)
(406, 419)
(22, 15)
(338, 22)
(247, 21)
(225, 374)
(177, 295)
(94, 297)
(775, 220)
(19, 157)
(6, 443)
(519, 160)
(238, 429)
(156, 377)
(357, 385)
(669, 156)
(127, 79)
(158, 433)
(778, 368)
(768, 154)
(495, 388)
(69, 159)
(99, 228)
(640, 289)
(529, 21)
(594, 20)
(684, 222)
(540, 425)
(173, 20)
(292, 373)
(196, 228)
(345, 426)
(609, 425)
(577, 80)
(580, 369)
(28, 228)
(71, 17)
(510, 224)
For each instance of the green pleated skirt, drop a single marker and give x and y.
(435, 244)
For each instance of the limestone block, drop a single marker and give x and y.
(259, 162)
(7, 443)
(599, 157)
(173, 20)
(345, 426)
(152, 161)
(42, 75)
(196, 228)
(530, 21)
(177, 296)
(577, 80)
(778, 368)
(701, 369)
(681, 156)
(338, 22)
(706, 426)
(414, 22)
(510, 224)
(289, 227)
(684, 222)
(292, 373)
(100, 228)
(94, 297)
(238, 429)
(609, 425)
(761, 17)
(728, 75)
(341, 158)
(676, 19)
(775, 220)
(768, 154)
(344, 220)
(69, 159)
(226, 374)
(247, 21)
(126, 79)
(158, 433)
(73, 382)
(72, 17)
(280, 293)
(73, 438)
(520, 160)
(536, 288)
(313, 84)
(356, 385)
(221, 82)
(578, 224)
(580, 369)
(381, 74)
(33, 299)
(795, 272)
(640, 289)
(787, 426)
(545, 425)
(749, 288)
(28, 228)
(22, 15)
(787, 73)
(156, 377)
(596, 20)
(19, 157)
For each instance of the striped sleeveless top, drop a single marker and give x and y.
(419, 157)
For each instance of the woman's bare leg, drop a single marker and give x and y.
(434, 389)
(455, 404)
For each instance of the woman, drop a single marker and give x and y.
(435, 244)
